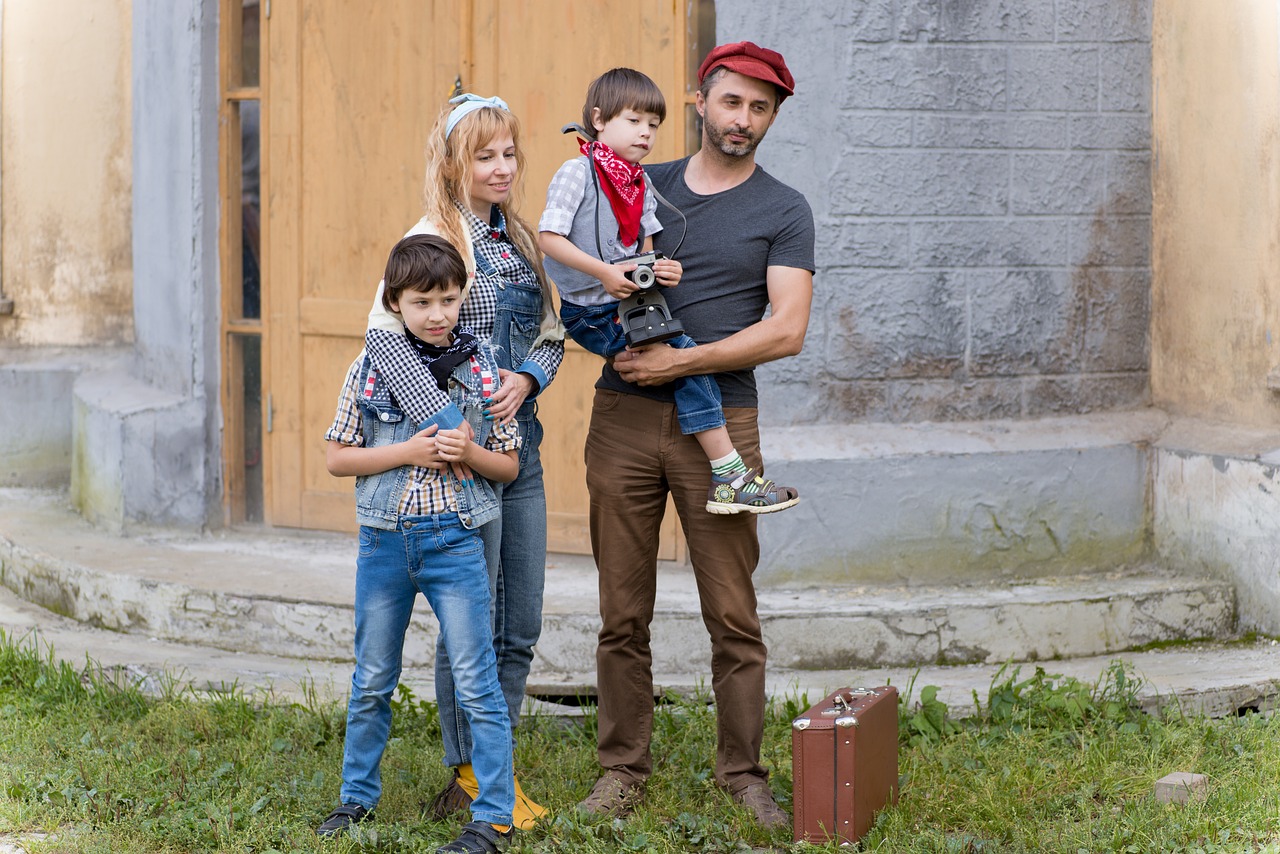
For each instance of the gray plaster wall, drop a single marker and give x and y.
(146, 443)
(980, 175)
(1215, 496)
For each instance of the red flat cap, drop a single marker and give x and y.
(751, 60)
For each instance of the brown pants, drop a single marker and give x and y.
(635, 453)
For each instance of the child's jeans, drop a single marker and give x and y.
(438, 557)
(596, 329)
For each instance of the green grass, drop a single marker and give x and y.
(1047, 764)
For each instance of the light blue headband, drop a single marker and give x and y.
(467, 104)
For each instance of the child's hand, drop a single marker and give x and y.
(616, 282)
(668, 272)
(454, 446)
(422, 449)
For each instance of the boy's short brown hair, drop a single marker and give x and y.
(621, 89)
(421, 262)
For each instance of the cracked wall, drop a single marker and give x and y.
(1216, 315)
(65, 150)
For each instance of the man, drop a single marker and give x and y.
(748, 244)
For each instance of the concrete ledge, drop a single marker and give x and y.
(1216, 511)
(139, 453)
(35, 422)
(934, 503)
(240, 591)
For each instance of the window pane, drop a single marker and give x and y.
(246, 448)
(250, 212)
(249, 31)
(700, 38)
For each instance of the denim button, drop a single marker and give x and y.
(408, 526)
(466, 520)
(382, 416)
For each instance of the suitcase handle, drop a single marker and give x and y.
(842, 703)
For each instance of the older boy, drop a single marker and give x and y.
(419, 534)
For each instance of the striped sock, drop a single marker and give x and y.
(728, 467)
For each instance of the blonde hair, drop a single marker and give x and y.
(448, 177)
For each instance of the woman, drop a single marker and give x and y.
(474, 164)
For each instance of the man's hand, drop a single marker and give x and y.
(655, 364)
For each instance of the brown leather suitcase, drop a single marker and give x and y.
(844, 763)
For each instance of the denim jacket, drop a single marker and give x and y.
(517, 323)
(384, 423)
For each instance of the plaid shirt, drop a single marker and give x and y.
(481, 305)
(567, 191)
(428, 489)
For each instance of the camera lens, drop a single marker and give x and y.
(643, 277)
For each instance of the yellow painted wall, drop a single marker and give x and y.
(65, 253)
(1215, 328)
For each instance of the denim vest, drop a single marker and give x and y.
(516, 321)
(383, 422)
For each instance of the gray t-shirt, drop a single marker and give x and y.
(733, 238)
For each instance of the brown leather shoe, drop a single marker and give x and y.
(613, 795)
(758, 798)
(451, 800)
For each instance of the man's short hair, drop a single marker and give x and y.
(421, 262)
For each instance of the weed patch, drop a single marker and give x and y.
(95, 764)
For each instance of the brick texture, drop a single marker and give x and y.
(980, 174)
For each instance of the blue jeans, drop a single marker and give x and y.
(435, 556)
(516, 549)
(594, 327)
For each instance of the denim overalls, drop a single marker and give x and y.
(516, 543)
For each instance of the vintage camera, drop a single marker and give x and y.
(644, 315)
(643, 274)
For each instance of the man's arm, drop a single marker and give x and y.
(778, 335)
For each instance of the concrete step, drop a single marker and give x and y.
(288, 593)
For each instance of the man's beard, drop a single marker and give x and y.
(718, 137)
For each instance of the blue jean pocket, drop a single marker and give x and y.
(368, 540)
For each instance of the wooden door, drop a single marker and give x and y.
(351, 92)
(539, 56)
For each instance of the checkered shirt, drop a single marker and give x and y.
(568, 189)
(481, 304)
(414, 387)
(428, 489)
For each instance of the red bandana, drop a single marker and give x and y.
(623, 184)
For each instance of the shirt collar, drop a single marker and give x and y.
(495, 229)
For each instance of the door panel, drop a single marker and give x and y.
(352, 90)
(540, 56)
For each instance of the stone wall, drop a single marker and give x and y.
(979, 172)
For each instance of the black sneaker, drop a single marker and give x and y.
(341, 819)
(478, 837)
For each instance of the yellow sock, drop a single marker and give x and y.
(527, 811)
(501, 828)
(467, 780)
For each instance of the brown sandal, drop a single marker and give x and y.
(749, 493)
